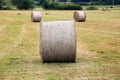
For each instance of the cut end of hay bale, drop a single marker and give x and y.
(58, 41)
(79, 16)
(36, 16)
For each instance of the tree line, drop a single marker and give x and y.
(19, 4)
(30, 4)
(87, 2)
(99, 2)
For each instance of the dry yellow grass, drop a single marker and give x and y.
(98, 51)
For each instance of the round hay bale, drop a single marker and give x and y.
(79, 16)
(58, 41)
(104, 9)
(36, 16)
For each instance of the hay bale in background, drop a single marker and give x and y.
(36, 16)
(79, 16)
(105, 9)
(58, 41)
(19, 13)
(47, 13)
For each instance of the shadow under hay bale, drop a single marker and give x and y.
(58, 41)
(36, 16)
(79, 16)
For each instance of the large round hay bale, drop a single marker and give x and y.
(36, 16)
(79, 16)
(58, 41)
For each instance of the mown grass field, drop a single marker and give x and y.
(98, 47)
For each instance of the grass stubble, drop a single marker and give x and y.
(98, 47)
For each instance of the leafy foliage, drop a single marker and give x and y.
(100, 2)
(91, 8)
(1, 4)
(58, 6)
(29, 4)
(23, 4)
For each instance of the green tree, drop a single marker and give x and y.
(1, 4)
(23, 4)
(45, 4)
(14, 2)
(41, 1)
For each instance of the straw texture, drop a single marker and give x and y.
(58, 41)
(79, 16)
(36, 16)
